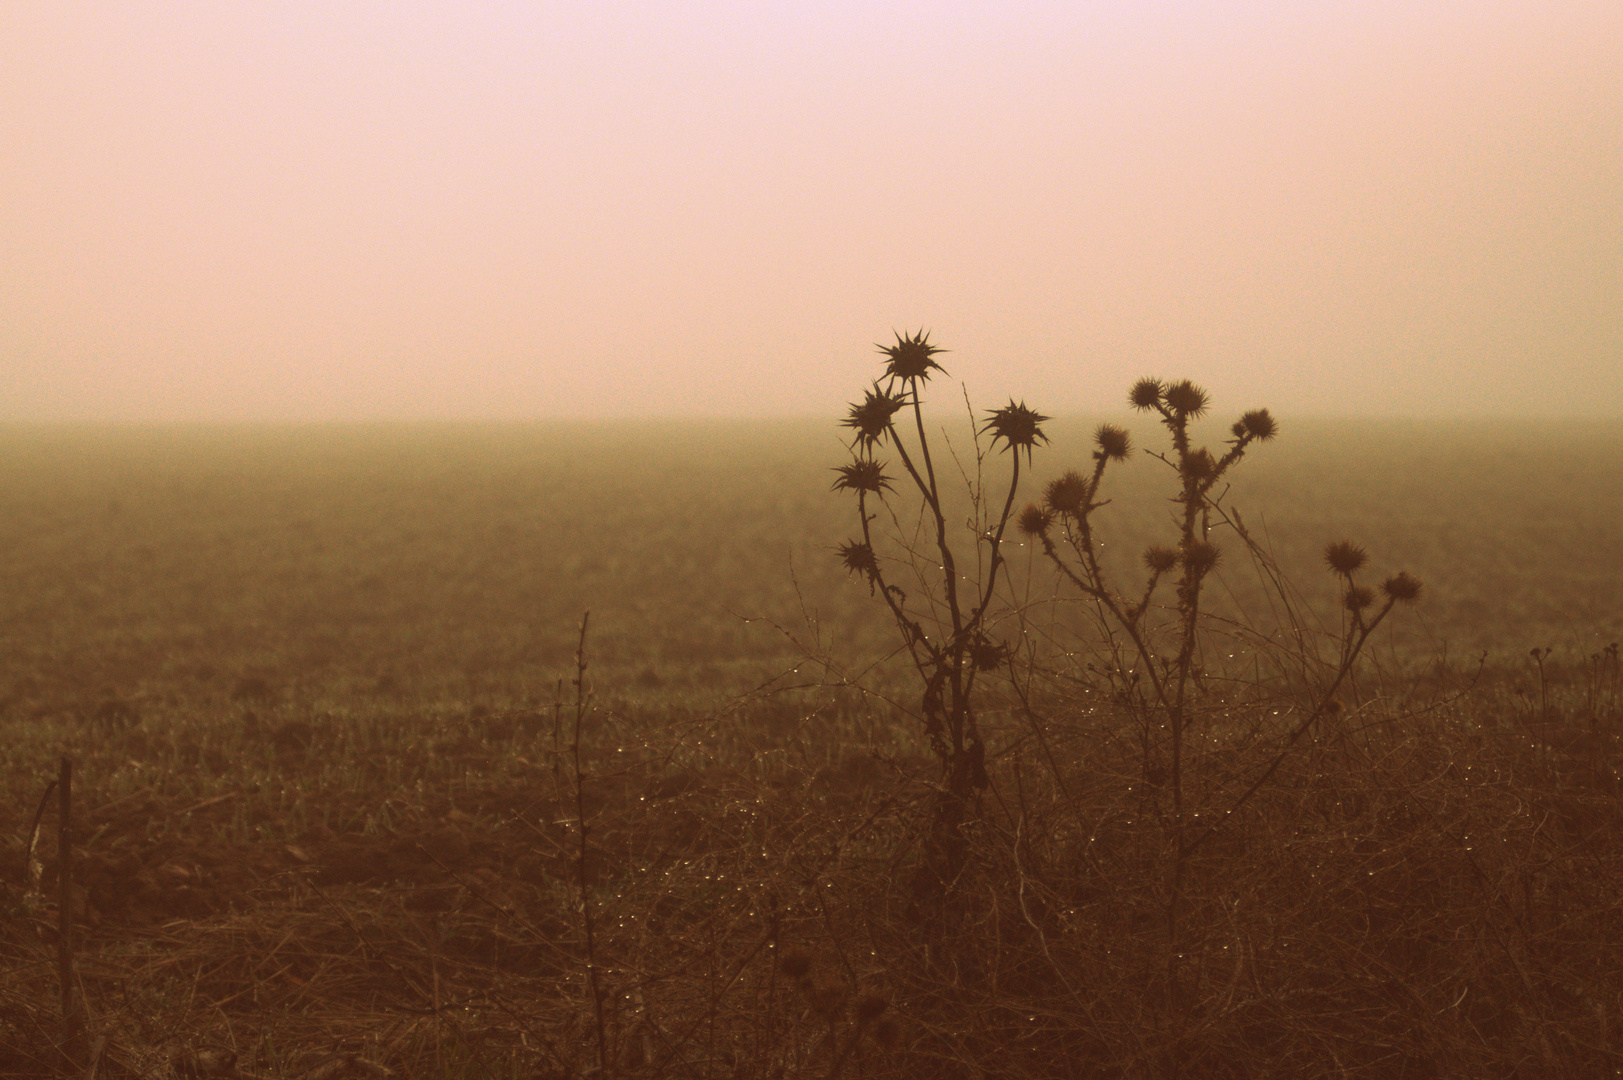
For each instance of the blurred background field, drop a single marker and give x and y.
(448, 565)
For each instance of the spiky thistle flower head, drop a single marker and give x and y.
(1017, 426)
(1160, 558)
(1358, 598)
(1068, 494)
(871, 418)
(912, 357)
(1199, 464)
(1185, 399)
(1114, 442)
(863, 474)
(1402, 586)
(1258, 423)
(1345, 557)
(1034, 520)
(1199, 556)
(1146, 393)
(859, 558)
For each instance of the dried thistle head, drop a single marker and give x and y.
(1068, 494)
(871, 417)
(1145, 394)
(1259, 424)
(863, 474)
(1114, 442)
(859, 558)
(1160, 558)
(1358, 598)
(1199, 556)
(1017, 426)
(1345, 557)
(1185, 399)
(1402, 586)
(1034, 520)
(1199, 464)
(911, 358)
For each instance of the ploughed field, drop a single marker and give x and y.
(316, 683)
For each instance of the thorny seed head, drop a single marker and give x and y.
(1145, 394)
(1034, 520)
(1199, 464)
(911, 357)
(1199, 556)
(858, 558)
(1114, 442)
(1258, 424)
(1345, 557)
(1068, 494)
(870, 419)
(1185, 399)
(1160, 558)
(1402, 586)
(863, 474)
(1358, 598)
(1016, 425)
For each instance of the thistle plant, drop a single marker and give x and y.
(944, 623)
(1070, 503)
(1154, 644)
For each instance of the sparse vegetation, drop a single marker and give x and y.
(339, 814)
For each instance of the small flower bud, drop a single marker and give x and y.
(1068, 494)
(1186, 399)
(1402, 586)
(1344, 557)
(1145, 394)
(863, 474)
(1260, 425)
(1114, 442)
(1199, 556)
(1359, 597)
(1034, 520)
(1160, 559)
(911, 357)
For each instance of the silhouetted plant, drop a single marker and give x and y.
(1158, 673)
(944, 625)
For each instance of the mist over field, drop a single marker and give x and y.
(449, 560)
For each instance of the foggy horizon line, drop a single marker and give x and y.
(1214, 415)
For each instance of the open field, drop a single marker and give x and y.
(315, 682)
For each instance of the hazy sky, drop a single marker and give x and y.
(226, 209)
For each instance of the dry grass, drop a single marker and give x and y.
(1430, 892)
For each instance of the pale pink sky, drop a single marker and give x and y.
(234, 210)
